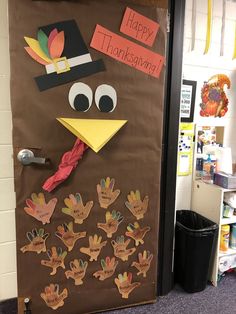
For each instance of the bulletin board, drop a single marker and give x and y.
(89, 243)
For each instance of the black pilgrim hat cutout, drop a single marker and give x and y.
(62, 50)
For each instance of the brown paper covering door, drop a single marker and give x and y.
(132, 157)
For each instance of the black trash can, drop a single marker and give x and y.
(195, 238)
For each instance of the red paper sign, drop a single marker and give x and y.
(127, 52)
(139, 27)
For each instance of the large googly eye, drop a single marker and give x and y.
(80, 97)
(105, 98)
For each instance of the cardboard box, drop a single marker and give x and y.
(225, 180)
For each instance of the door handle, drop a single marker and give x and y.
(26, 157)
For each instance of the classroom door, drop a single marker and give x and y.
(87, 78)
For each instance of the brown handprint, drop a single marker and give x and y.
(77, 272)
(112, 222)
(76, 208)
(108, 268)
(39, 209)
(106, 196)
(124, 285)
(66, 234)
(137, 233)
(37, 240)
(52, 297)
(120, 248)
(56, 259)
(144, 262)
(137, 207)
(95, 246)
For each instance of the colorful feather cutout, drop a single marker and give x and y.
(57, 46)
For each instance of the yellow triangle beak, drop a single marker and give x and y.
(94, 133)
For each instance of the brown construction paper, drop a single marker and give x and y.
(137, 207)
(144, 262)
(125, 285)
(56, 259)
(108, 268)
(121, 249)
(52, 297)
(132, 157)
(112, 222)
(37, 239)
(94, 248)
(137, 233)
(77, 272)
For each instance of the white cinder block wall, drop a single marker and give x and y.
(199, 67)
(8, 287)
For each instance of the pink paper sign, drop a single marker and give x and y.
(127, 52)
(139, 27)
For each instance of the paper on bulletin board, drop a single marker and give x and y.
(185, 149)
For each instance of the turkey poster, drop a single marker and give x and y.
(87, 217)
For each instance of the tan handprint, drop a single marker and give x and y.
(112, 222)
(77, 272)
(56, 259)
(68, 236)
(108, 268)
(124, 285)
(137, 207)
(120, 248)
(106, 196)
(137, 233)
(95, 246)
(37, 239)
(39, 209)
(52, 297)
(144, 262)
(76, 209)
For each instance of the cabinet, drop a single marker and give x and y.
(207, 200)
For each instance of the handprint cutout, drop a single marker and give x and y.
(68, 236)
(124, 285)
(56, 259)
(112, 222)
(76, 209)
(106, 196)
(52, 297)
(77, 272)
(137, 233)
(120, 248)
(37, 239)
(108, 268)
(39, 209)
(137, 207)
(95, 246)
(144, 261)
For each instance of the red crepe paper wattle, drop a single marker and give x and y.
(68, 163)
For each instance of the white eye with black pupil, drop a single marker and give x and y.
(105, 98)
(80, 97)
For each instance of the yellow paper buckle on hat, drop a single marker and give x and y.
(61, 65)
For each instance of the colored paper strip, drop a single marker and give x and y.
(234, 53)
(139, 27)
(209, 24)
(127, 52)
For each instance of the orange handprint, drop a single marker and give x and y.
(77, 272)
(37, 240)
(112, 222)
(39, 209)
(137, 233)
(120, 248)
(52, 297)
(95, 246)
(106, 196)
(56, 259)
(68, 236)
(108, 268)
(76, 208)
(144, 262)
(124, 285)
(137, 207)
